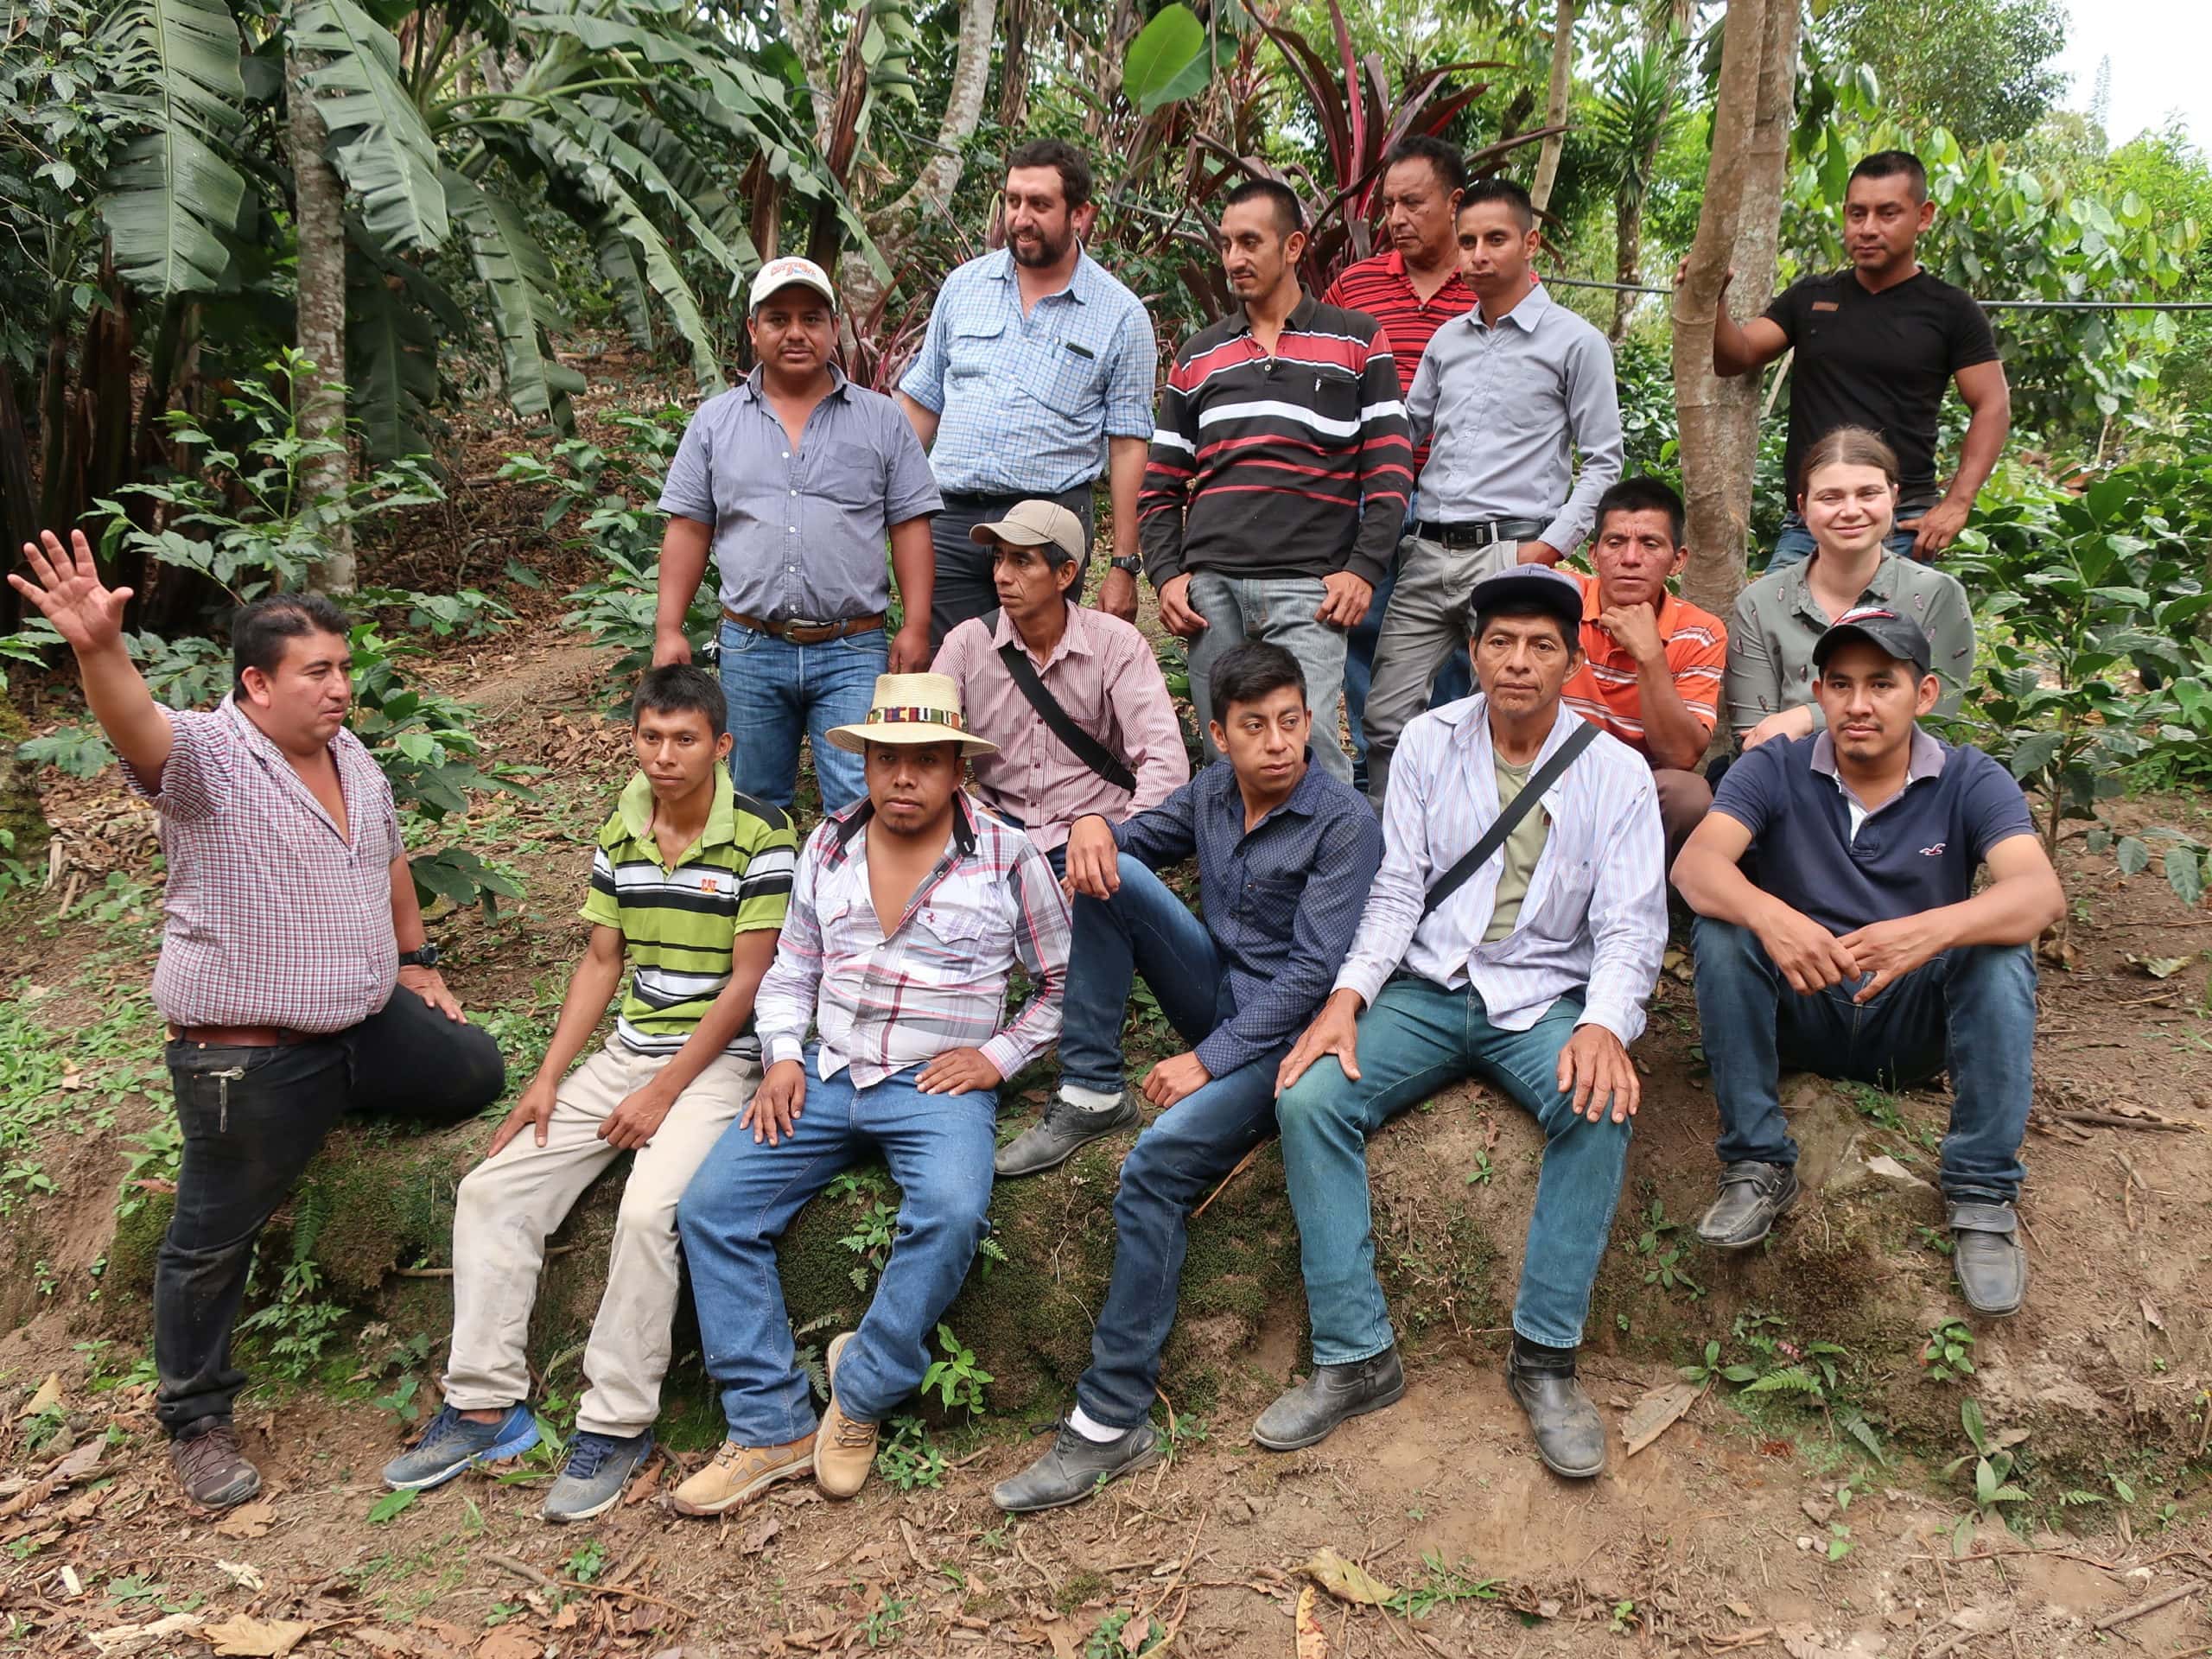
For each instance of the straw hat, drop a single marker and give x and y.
(912, 708)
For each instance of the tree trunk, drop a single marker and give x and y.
(1556, 100)
(1740, 225)
(318, 218)
(1627, 258)
(801, 22)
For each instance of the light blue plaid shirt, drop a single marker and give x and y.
(1025, 403)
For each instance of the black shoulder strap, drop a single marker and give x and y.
(1514, 810)
(1080, 743)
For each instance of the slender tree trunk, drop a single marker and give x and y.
(318, 218)
(1562, 84)
(1628, 257)
(1740, 225)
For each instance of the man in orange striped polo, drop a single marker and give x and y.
(1651, 661)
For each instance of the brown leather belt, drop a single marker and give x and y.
(799, 632)
(239, 1036)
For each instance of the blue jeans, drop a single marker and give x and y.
(1795, 542)
(938, 1148)
(1279, 610)
(1416, 1038)
(1145, 929)
(777, 690)
(1456, 679)
(1972, 1011)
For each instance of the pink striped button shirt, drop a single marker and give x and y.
(1595, 916)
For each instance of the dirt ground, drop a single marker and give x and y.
(1750, 1525)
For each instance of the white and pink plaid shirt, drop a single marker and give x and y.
(937, 980)
(273, 917)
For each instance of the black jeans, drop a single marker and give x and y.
(253, 1118)
(964, 587)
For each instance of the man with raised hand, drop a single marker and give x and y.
(1286, 856)
(1507, 397)
(294, 973)
(908, 914)
(1876, 344)
(1073, 698)
(1840, 931)
(1514, 934)
(793, 480)
(1280, 469)
(688, 881)
(1037, 367)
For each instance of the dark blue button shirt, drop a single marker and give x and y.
(1281, 900)
(1917, 851)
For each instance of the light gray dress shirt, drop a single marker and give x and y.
(1503, 407)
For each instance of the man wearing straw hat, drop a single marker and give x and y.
(907, 914)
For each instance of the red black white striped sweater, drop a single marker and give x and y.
(1294, 465)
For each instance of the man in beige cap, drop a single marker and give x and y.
(907, 914)
(1073, 698)
(793, 480)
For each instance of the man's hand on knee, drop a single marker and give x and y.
(1595, 1066)
(1335, 1031)
(958, 1072)
(535, 1109)
(1176, 1078)
(775, 1105)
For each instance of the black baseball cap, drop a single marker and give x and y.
(1553, 592)
(1898, 635)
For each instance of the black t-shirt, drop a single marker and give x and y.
(1879, 360)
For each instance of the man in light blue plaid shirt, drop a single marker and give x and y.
(1037, 367)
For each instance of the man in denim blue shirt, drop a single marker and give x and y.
(1037, 366)
(1286, 854)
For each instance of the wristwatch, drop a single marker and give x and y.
(1127, 566)
(425, 957)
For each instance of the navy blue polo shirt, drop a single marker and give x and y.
(1918, 851)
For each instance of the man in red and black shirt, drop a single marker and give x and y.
(1280, 469)
(1412, 288)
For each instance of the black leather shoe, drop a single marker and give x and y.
(1753, 1197)
(1570, 1435)
(1075, 1468)
(1307, 1413)
(1992, 1267)
(1063, 1131)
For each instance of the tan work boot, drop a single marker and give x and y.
(844, 1450)
(739, 1473)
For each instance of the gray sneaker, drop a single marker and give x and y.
(451, 1443)
(1063, 1131)
(591, 1481)
(214, 1472)
(1076, 1467)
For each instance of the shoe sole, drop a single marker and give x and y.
(1028, 1170)
(230, 1497)
(1150, 1457)
(1780, 1211)
(1390, 1399)
(505, 1449)
(751, 1489)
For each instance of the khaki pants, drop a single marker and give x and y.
(508, 1204)
(1427, 621)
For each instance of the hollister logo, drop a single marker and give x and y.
(1936, 851)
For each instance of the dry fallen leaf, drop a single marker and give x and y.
(1657, 1412)
(508, 1642)
(1060, 1633)
(262, 1638)
(756, 1537)
(1312, 1640)
(247, 1521)
(123, 1638)
(1346, 1581)
(383, 1641)
(244, 1575)
(49, 1393)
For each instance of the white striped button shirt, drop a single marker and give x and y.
(1595, 915)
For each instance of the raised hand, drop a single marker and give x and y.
(69, 593)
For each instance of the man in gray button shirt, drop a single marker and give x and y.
(1503, 398)
(793, 479)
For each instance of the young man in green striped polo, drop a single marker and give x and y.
(689, 879)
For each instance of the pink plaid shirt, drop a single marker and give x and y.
(937, 980)
(274, 918)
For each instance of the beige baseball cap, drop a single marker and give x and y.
(792, 271)
(1033, 524)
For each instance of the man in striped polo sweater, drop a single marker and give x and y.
(1280, 469)
(690, 879)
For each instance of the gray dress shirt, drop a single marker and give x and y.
(800, 533)
(1503, 407)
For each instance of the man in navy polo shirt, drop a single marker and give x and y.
(1839, 869)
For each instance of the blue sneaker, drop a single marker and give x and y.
(452, 1443)
(598, 1468)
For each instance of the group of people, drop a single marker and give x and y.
(1354, 492)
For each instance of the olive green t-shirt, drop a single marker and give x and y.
(1522, 849)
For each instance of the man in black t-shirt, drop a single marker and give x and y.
(1875, 344)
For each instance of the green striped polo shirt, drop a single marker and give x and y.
(679, 922)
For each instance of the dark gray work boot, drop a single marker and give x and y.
(1063, 1131)
(1307, 1413)
(1753, 1197)
(1076, 1467)
(1570, 1435)
(1985, 1254)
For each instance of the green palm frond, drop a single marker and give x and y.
(379, 142)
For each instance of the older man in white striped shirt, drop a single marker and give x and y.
(1528, 970)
